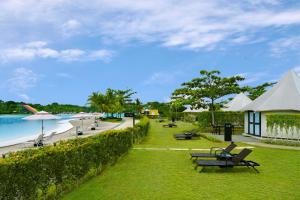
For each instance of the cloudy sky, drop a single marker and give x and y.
(62, 50)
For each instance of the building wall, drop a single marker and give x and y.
(263, 127)
(246, 122)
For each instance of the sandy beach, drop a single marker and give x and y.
(71, 133)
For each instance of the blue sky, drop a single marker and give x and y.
(62, 50)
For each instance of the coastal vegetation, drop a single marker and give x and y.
(12, 107)
(48, 172)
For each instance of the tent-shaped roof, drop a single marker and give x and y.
(190, 110)
(285, 95)
(237, 103)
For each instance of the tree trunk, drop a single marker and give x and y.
(212, 112)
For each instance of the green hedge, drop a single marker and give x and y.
(48, 172)
(204, 119)
(283, 121)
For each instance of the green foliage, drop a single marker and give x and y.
(282, 142)
(236, 118)
(202, 92)
(169, 174)
(11, 107)
(49, 171)
(283, 121)
(255, 92)
(113, 101)
(163, 108)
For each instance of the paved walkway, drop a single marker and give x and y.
(237, 138)
(254, 141)
(261, 144)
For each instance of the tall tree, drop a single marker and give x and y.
(202, 92)
(255, 92)
(112, 101)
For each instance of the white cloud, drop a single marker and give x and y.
(194, 25)
(297, 69)
(21, 81)
(284, 45)
(39, 49)
(24, 96)
(253, 77)
(162, 78)
(71, 27)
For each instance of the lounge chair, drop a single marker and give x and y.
(170, 125)
(187, 136)
(78, 131)
(235, 160)
(215, 152)
(38, 142)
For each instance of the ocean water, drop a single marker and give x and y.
(13, 129)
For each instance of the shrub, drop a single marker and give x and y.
(284, 122)
(49, 171)
(236, 118)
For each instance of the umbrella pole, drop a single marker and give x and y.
(42, 130)
(82, 124)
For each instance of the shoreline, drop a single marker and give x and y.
(63, 126)
(69, 134)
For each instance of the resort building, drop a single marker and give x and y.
(190, 110)
(151, 113)
(275, 114)
(237, 103)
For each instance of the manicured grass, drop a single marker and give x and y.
(161, 174)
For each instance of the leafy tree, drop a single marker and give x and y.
(112, 101)
(204, 91)
(255, 92)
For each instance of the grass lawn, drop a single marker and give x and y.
(165, 174)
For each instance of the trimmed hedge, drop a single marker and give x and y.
(48, 172)
(290, 123)
(204, 119)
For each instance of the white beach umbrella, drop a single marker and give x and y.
(42, 115)
(81, 116)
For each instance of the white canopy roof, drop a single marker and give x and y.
(237, 103)
(189, 110)
(285, 95)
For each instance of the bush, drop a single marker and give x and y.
(282, 142)
(204, 119)
(47, 172)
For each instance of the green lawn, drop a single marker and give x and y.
(162, 174)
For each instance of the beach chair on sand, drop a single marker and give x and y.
(215, 152)
(78, 131)
(235, 160)
(38, 142)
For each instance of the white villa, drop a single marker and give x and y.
(237, 103)
(282, 98)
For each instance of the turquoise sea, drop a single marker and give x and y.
(14, 129)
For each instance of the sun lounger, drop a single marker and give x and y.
(215, 151)
(38, 142)
(170, 125)
(187, 136)
(235, 160)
